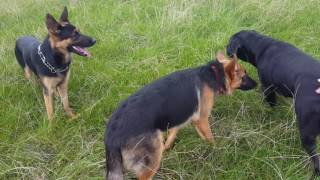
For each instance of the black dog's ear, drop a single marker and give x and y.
(64, 15)
(52, 24)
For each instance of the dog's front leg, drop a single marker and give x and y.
(47, 94)
(63, 92)
(309, 144)
(269, 95)
(203, 128)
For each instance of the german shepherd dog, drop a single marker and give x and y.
(133, 137)
(285, 70)
(50, 61)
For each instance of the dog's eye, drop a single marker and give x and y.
(76, 34)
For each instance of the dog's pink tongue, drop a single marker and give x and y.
(82, 51)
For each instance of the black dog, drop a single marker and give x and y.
(50, 60)
(133, 136)
(285, 70)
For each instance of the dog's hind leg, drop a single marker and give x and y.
(142, 155)
(309, 144)
(152, 167)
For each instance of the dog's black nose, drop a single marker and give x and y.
(93, 41)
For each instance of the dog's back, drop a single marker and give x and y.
(25, 50)
(159, 105)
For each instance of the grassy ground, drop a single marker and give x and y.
(137, 42)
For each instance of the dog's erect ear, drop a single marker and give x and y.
(52, 24)
(235, 59)
(231, 68)
(234, 56)
(220, 56)
(64, 15)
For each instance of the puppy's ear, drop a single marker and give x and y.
(234, 56)
(221, 58)
(64, 15)
(235, 59)
(231, 68)
(52, 24)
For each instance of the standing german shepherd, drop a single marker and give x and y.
(286, 70)
(133, 136)
(50, 60)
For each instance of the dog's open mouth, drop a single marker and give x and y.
(81, 51)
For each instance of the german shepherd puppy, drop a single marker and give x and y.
(286, 70)
(50, 61)
(133, 137)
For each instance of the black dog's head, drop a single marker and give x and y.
(65, 37)
(237, 45)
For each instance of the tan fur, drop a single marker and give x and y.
(27, 72)
(137, 152)
(50, 85)
(233, 72)
(202, 124)
(172, 133)
(61, 46)
(63, 92)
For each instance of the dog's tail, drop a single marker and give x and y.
(114, 164)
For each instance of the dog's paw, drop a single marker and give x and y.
(210, 140)
(73, 115)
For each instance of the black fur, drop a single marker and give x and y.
(286, 70)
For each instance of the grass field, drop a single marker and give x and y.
(137, 42)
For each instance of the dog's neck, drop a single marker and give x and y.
(213, 74)
(59, 57)
(255, 47)
(54, 58)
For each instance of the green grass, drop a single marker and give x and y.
(137, 42)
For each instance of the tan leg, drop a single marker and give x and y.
(47, 94)
(27, 72)
(50, 84)
(152, 168)
(63, 92)
(202, 124)
(203, 128)
(172, 133)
